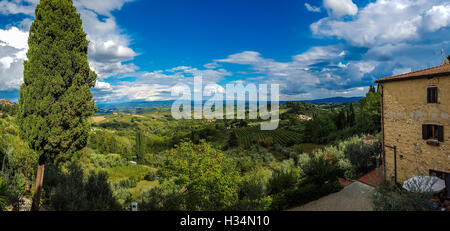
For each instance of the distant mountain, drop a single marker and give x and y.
(334, 100)
(133, 105)
(136, 105)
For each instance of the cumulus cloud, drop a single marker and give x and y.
(340, 8)
(13, 46)
(109, 48)
(157, 85)
(385, 22)
(437, 17)
(17, 7)
(318, 68)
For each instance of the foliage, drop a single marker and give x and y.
(138, 171)
(389, 196)
(14, 187)
(107, 161)
(168, 196)
(3, 195)
(369, 119)
(122, 196)
(254, 190)
(55, 100)
(363, 156)
(319, 129)
(286, 177)
(74, 193)
(140, 146)
(209, 178)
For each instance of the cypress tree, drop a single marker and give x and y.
(55, 99)
(351, 116)
(140, 145)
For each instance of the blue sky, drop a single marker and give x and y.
(314, 49)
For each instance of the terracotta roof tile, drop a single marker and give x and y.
(433, 71)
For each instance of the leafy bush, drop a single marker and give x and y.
(129, 182)
(3, 195)
(320, 170)
(74, 193)
(14, 188)
(123, 172)
(284, 178)
(254, 189)
(390, 197)
(210, 179)
(107, 160)
(151, 176)
(166, 197)
(362, 156)
(122, 196)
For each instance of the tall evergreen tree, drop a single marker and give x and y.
(140, 145)
(351, 116)
(55, 99)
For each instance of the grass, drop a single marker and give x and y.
(143, 186)
(123, 172)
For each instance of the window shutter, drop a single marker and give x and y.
(425, 132)
(441, 133)
(436, 95)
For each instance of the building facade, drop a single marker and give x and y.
(416, 123)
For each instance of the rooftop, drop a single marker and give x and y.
(429, 72)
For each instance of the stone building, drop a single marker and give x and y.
(416, 123)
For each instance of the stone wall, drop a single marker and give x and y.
(405, 110)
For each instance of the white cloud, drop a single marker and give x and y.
(13, 47)
(312, 8)
(437, 17)
(157, 85)
(109, 47)
(17, 7)
(340, 8)
(14, 37)
(101, 7)
(386, 22)
(102, 85)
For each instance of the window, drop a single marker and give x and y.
(432, 95)
(433, 132)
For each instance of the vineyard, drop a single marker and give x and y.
(246, 137)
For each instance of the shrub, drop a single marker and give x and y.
(14, 188)
(362, 156)
(129, 182)
(122, 196)
(74, 193)
(390, 197)
(254, 190)
(98, 192)
(286, 177)
(319, 170)
(3, 195)
(166, 197)
(107, 160)
(151, 176)
(210, 178)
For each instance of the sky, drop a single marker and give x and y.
(313, 49)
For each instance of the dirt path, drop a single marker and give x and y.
(354, 197)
